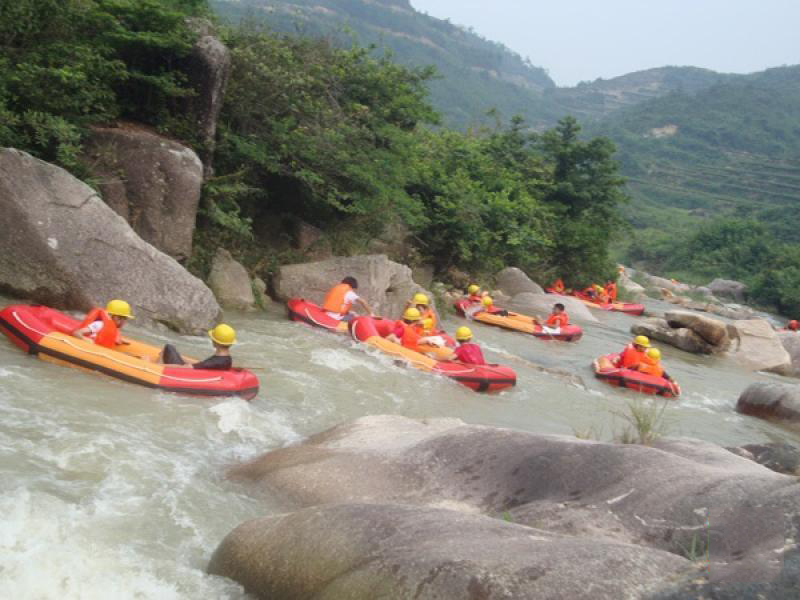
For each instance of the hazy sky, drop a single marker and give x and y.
(577, 40)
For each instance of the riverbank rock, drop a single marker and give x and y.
(756, 346)
(512, 281)
(363, 552)
(384, 284)
(659, 497)
(230, 282)
(713, 331)
(776, 456)
(791, 343)
(778, 401)
(685, 339)
(728, 288)
(64, 247)
(633, 289)
(542, 304)
(154, 183)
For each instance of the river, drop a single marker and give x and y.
(110, 490)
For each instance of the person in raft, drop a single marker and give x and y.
(102, 326)
(222, 336)
(474, 293)
(340, 299)
(410, 333)
(422, 304)
(467, 352)
(487, 305)
(793, 325)
(558, 286)
(651, 364)
(555, 320)
(611, 291)
(633, 354)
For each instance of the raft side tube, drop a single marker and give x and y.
(605, 370)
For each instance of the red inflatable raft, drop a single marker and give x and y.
(636, 310)
(304, 311)
(45, 332)
(481, 378)
(518, 322)
(605, 370)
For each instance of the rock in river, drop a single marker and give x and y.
(713, 331)
(230, 282)
(512, 281)
(756, 346)
(63, 246)
(771, 401)
(659, 329)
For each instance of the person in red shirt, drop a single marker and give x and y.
(467, 352)
(474, 293)
(556, 320)
(633, 354)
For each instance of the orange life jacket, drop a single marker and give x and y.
(630, 357)
(561, 320)
(651, 367)
(558, 286)
(108, 336)
(334, 299)
(611, 290)
(429, 314)
(411, 335)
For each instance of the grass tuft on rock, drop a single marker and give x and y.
(644, 422)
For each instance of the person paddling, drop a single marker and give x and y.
(557, 319)
(634, 353)
(340, 299)
(468, 352)
(102, 326)
(222, 337)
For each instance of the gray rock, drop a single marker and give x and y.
(658, 497)
(152, 182)
(305, 235)
(541, 304)
(728, 288)
(633, 289)
(791, 343)
(658, 329)
(384, 284)
(230, 282)
(423, 274)
(755, 346)
(361, 551)
(713, 331)
(63, 246)
(512, 281)
(771, 401)
(776, 456)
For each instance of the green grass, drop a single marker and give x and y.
(643, 422)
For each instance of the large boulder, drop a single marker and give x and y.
(208, 67)
(154, 183)
(541, 304)
(663, 497)
(633, 289)
(512, 281)
(771, 401)
(791, 343)
(728, 288)
(776, 456)
(384, 284)
(659, 329)
(63, 246)
(713, 331)
(362, 552)
(230, 282)
(756, 346)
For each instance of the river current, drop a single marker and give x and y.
(110, 490)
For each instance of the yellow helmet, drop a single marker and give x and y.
(463, 334)
(473, 289)
(487, 301)
(654, 354)
(641, 340)
(420, 299)
(222, 334)
(427, 324)
(412, 314)
(119, 308)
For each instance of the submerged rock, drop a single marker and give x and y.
(384, 284)
(154, 183)
(756, 346)
(777, 401)
(512, 281)
(64, 247)
(230, 282)
(542, 304)
(368, 551)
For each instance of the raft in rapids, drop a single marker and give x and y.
(636, 310)
(45, 332)
(518, 322)
(605, 370)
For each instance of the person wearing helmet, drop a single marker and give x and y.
(651, 364)
(474, 293)
(102, 326)
(793, 325)
(487, 305)
(421, 302)
(467, 352)
(409, 331)
(340, 299)
(611, 291)
(633, 354)
(557, 319)
(222, 337)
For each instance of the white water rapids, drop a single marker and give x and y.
(110, 490)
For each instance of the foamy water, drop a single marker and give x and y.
(110, 490)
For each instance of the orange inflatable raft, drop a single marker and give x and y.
(45, 332)
(518, 322)
(605, 370)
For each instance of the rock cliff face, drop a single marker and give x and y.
(152, 182)
(63, 246)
